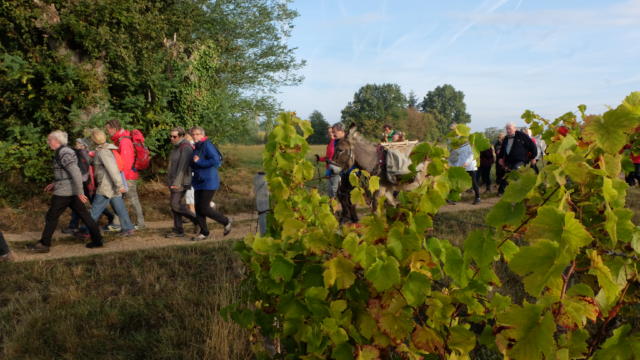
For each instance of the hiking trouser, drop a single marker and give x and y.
(100, 203)
(131, 196)
(485, 175)
(333, 185)
(504, 183)
(633, 177)
(74, 223)
(348, 212)
(474, 183)
(180, 209)
(58, 205)
(204, 210)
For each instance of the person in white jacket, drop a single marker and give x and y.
(462, 155)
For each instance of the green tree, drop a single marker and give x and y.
(447, 105)
(319, 125)
(420, 126)
(412, 100)
(373, 106)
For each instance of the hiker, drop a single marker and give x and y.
(179, 181)
(534, 161)
(462, 156)
(499, 168)
(387, 133)
(110, 182)
(332, 172)
(516, 151)
(89, 187)
(122, 139)
(188, 197)
(487, 158)
(348, 210)
(205, 163)
(398, 136)
(67, 192)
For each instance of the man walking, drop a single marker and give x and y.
(67, 193)
(179, 180)
(516, 151)
(122, 139)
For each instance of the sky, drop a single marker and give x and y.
(505, 55)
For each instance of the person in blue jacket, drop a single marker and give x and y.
(205, 182)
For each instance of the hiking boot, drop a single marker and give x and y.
(94, 244)
(174, 234)
(111, 227)
(200, 237)
(476, 201)
(69, 230)
(125, 233)
(140, 227)
(227, 228)
(38, 248)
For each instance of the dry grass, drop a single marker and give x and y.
(157, 304)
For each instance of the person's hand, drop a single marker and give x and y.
(49, 188)
(196, 158)
(173, 187)
(533, 161)
(83, 198)
(122, 190)
(465, 165)
(317, 158)
(501, 162)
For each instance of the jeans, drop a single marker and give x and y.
(180, 209)
(58, 205)
(204, 210)
(132, 198)
(74, 223)
(334, 184)
(100, 202)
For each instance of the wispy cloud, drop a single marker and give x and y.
(473, 20)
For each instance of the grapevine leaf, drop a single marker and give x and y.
(339, 271)
(548, 224)
(461, 339)
(368, 352)
(343, 351)
(454, 265)
(614, 191)
(574, 234)
(520, 188)
(509, 249)
(580, 290)
(576, 311)
(479, 142)
(281, 269)
(384, 274)
(292, 227)
(609, 289)
(459, 179)
(623, 345)
(531, 329)
(416, 288)
(538, 264)
(481, 247)
(428, 340)
(357, 196)
(575, 342)
(354, 180)
(577, 169)
(609, 130)
(374, 184)
(337, 334)
(505, 213)
(612, 164)
(306, 128)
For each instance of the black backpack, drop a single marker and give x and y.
(83, 162)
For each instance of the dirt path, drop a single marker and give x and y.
(65, 246)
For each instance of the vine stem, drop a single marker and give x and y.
(565, 278)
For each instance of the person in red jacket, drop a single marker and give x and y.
(122, 139)
(332, 171)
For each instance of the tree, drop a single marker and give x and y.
(319, 125)
(420, 126)
(373, 106)
(412, 100)
(492, 133)
(447, 105)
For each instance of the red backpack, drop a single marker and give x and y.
(142, 154)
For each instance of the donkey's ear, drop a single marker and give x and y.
(353, 130)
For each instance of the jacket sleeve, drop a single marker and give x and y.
(183, 165)
(531, 147)
(69, 162)
(209, 158)
(110, 165)
(126, 151)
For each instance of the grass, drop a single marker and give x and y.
(156, 304)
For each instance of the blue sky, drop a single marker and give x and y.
(505, 55)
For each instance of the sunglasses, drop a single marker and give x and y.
(174, 136)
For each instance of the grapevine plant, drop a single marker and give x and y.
(387, 289)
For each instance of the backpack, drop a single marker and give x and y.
(82, 162)
(219, 153)
(142, 154)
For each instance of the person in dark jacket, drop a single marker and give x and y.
(179, 180)
(499, 168)
(516, 151)
(487, 158)
(205, 181)
(67, 192)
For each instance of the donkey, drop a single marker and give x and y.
(355, 150)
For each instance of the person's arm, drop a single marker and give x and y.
(127, 152)
(209, 157)
(531, 148)
(184, 160)
(69, 162)
(111, 166)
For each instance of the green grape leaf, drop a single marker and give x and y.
(548, 224)
(461, 339)
(397, 324)
(343, 351)
(428, 340)
(454, 265)
(509, 249)
(576, 311)
(530, 329)
(609, 289)
(357, 196)
(384, 274)
(609, 130)
(574, 234)
(623, 345)
(538, 264)
(479, 142)
(337, 334)
(612, 164)
(281, 269)
(368, 352)
(505, 213)
(480, 246)
(305, 126)
(291, 228)
(416, 288)
(374, 184)
(459, 179)
(518, 190)
(339, 271)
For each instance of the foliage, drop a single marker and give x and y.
(387, 288)
(447, 105)
(319, 125)
(492, 133)
(420, 126)
(154, 65)
(373, 106)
